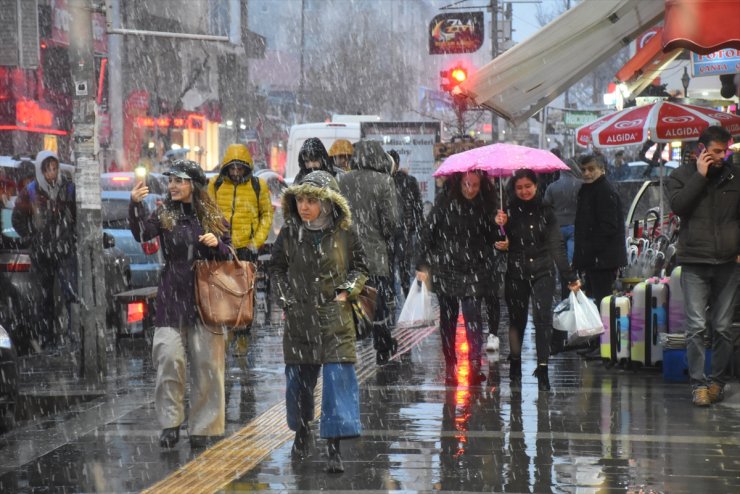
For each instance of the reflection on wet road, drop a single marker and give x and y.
(599, 431)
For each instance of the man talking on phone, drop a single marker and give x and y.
(705, 194)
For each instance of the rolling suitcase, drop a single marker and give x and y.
(615, 340)
(649, 318)
(676, 314)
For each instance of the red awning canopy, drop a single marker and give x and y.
(647, 64)
(702, 26)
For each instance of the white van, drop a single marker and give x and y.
(327, 132)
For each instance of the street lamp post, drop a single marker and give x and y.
(685, 79)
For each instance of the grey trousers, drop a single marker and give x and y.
(206, 416)
(713, 286)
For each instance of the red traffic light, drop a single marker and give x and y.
(459, 75)
(452, 78)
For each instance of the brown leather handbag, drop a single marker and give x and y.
(364, 311)
(224, 292)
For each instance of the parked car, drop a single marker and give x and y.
(640, 170)
(145, 259)
(8, 378)
(19, 298)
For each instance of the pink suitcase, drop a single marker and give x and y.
(649, 318)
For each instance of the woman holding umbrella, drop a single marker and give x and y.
(455, 244)
(534, 244)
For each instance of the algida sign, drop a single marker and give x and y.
(456, 33)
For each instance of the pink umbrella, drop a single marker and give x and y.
(501, 160)
(663, 121)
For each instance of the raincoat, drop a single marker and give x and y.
(371, 194)
(309, 268)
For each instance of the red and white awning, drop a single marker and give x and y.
(660, 122)
(701, 26)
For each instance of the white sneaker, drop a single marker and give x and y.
(493, 343)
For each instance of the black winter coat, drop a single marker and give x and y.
(48, 225)
(535, 241)
(709, 209)
(410, 204)
(457, 245)
(599, 228)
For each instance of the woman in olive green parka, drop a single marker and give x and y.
(318, 266)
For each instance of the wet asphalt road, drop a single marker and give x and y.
(598, 431)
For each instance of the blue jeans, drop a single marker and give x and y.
(709, 295)
(340, 398)
(569, 238)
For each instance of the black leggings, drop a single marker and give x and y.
(518, 294)
(449, 308)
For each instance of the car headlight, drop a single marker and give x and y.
(4, 338)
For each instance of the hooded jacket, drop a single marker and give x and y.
(314, 147)
(599, 228)
(371, 193)
(309, 268)
(249, 216)
(709, 208)
(45, 215)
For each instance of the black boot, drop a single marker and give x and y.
(383, 356)
(515, 369)
(300, 448)
(334, 464)
(169, 437)
(543, 380)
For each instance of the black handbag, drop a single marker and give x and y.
(363, 310)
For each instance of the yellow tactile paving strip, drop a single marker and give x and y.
(236, 455)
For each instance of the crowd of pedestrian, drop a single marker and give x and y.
(354, 218)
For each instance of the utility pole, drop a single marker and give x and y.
(115, 81)
(91, 280)
(494, 54)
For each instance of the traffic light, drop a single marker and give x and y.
(451, 78)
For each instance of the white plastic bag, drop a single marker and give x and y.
(563, 317)
(586, 317)
(417, 310)
(578, 316)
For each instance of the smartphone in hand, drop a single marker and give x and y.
(140, 173)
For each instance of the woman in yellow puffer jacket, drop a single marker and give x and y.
(233, 189)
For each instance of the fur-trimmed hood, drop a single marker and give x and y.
(322, 185)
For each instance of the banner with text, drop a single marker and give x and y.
(414, 142)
